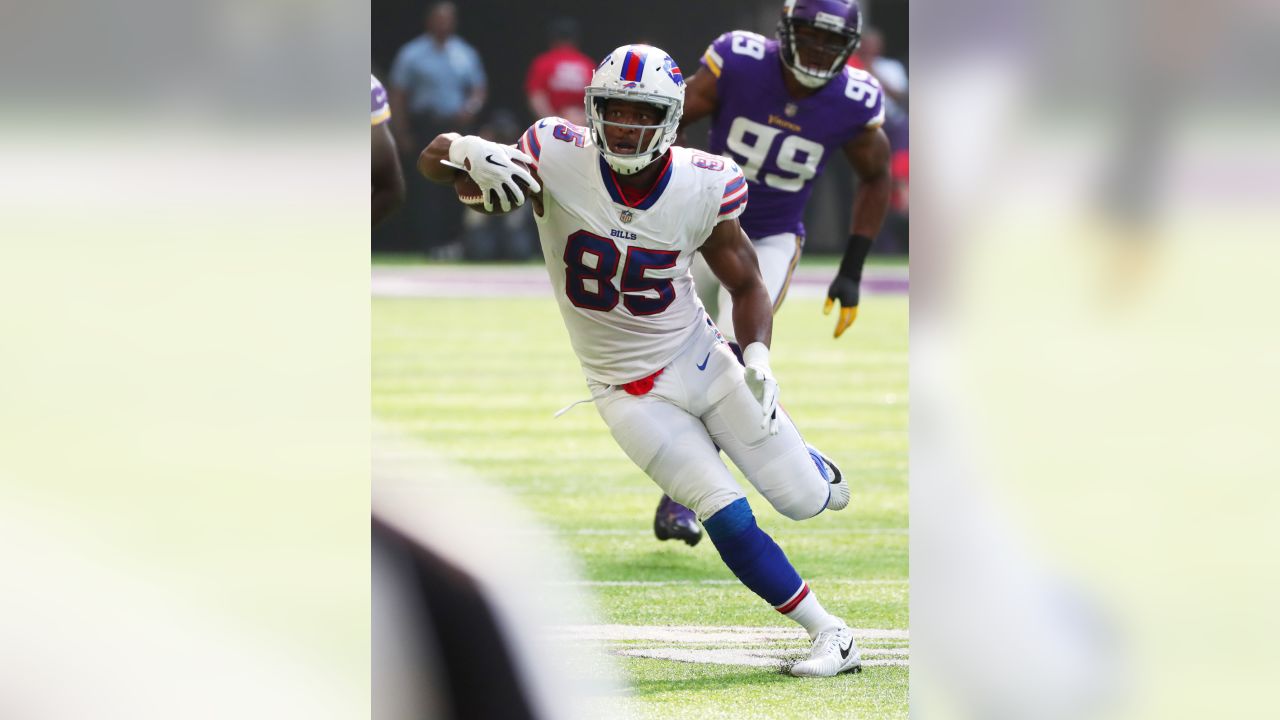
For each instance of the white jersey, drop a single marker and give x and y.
(621, 269)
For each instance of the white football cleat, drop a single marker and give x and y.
(840, 490)
(834, 652)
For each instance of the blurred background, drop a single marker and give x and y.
(509, 38)
(1092, 359)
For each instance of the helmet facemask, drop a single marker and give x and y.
(829, 37)
(651, 140)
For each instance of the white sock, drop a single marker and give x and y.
(804, 608)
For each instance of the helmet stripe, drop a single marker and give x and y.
(632, 66)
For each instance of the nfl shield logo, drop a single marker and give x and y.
(790, 110)
(626, 216)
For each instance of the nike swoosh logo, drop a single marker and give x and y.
(489, 159)
(844, 651)
(705, 360)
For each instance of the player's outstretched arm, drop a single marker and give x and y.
(868, 153)
(488, 163)
(732, 258)
(431, 162)
(387, 178)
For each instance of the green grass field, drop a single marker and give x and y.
(478, 381)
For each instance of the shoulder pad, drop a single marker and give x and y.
(733, 186)
(552, 130)
(865, 95)
(732, 48)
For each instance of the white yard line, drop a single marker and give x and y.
(749, 658)
(707, 633)
(690, 643)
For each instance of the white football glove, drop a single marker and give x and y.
(489, 164)
(762, 385)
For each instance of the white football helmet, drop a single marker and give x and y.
(639, 73)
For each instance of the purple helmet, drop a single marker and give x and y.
(842, 18)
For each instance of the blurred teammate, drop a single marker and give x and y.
(387, 178)
(621, 214)
(557, 77)
(782, 108)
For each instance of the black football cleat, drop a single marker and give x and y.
(673, 520)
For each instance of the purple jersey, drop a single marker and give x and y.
(379, 110)
(780, 142)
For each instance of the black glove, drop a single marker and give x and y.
(844, 288)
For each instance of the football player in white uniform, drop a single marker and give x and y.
(620, 213)
(783, 108)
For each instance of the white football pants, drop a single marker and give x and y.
(701, 400)
(777, 255)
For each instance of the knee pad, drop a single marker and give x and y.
(793, 485)
(805, 507)
(703, 488)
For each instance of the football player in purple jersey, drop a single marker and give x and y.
(387, 179)
(781, 108)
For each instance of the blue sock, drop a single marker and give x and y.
(751, 554)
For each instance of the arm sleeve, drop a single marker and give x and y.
(728, 196)
(531, 143)
(733, 201)
(864, 99)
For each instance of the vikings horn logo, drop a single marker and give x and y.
(672, 70)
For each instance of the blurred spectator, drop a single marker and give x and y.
(437, 84)
(891, 73)
(499, 237)
(437, 77)
(557, 77)
(894, 238)
(894, 235)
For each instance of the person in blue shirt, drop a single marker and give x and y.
(437, 83)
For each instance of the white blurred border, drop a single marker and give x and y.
(1093, 358)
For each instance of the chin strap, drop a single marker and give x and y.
(653, 156)
(806, 80)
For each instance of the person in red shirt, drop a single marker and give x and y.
(557, 77)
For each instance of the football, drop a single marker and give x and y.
(469, 192)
